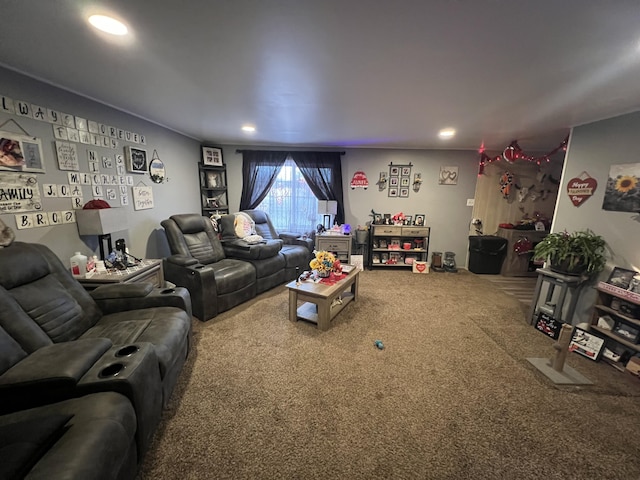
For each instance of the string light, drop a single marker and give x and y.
(514, 152)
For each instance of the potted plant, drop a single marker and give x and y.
(572, 253)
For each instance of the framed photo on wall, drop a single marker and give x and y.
(136, 159)
(212, 156)
(20, 153)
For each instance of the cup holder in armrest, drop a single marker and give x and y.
(111, 371)
(167, 291)
(127, 351)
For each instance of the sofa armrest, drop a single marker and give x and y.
(295, 239)
(238, 248)
(49, 373)
(134, 296)
(200, 281)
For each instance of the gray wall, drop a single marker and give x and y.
(445, 206)
(179, 153)
(593, 148)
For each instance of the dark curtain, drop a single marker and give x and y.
(323, 173)
(256, 182)
(321, 170)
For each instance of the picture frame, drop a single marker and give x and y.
(408, 219)
(20, 153)
(406, 172)
(405, 181)
(393, 191)
(403, 192)
(136, 159)
(214, 180)
(419, 220)
(212, 156)
(394, 171)
(621, 277)
(393, 181)
(586, 344)
(377, 219)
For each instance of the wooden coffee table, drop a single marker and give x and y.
(323, 302)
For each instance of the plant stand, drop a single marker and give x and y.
(566, 284)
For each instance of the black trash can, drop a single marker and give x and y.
(486, 253)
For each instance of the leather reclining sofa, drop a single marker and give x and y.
(84, 377)
(221, 270)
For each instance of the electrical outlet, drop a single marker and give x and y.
(470, 202)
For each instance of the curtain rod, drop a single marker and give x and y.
(304, 151)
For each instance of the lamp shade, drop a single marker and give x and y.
(100, 221)
(327, 207)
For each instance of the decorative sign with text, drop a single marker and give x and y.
(19, 193)
(142, 198)
(581, 188)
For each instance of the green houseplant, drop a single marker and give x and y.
(572, 253)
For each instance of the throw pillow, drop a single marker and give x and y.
(244, 225)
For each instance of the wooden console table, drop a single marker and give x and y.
(148, 270)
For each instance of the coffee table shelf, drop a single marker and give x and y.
(318, 298)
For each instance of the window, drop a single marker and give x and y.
(290, 203)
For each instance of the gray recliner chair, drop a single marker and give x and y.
(199, 263)
(59, 341)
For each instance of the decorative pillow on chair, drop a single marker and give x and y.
(244, 225)
(245, 228)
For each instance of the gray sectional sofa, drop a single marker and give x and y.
(87, 375)
(221, 270)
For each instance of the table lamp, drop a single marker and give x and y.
(101, 222)
(326, 208)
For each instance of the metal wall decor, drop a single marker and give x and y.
(399, 180)
(156, 169)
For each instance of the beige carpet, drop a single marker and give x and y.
(451, 396)
(520, 287)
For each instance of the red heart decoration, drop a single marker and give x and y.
(421, 267)
(579, 189)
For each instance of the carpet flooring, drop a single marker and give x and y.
(451, 396)
(520, 287)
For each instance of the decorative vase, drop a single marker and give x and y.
(324, 273)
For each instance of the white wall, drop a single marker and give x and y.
(593, 148)
(445, 206)
(179, 154)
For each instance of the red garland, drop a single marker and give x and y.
(514, 152)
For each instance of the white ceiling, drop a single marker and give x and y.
(365, 73)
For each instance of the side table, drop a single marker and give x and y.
(148, 270)
(567, 284)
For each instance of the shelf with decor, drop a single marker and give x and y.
(213, 182)
(396, 246)
(616, 318)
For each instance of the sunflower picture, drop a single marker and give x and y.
(622, 193)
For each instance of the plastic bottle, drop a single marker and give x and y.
(79, 265)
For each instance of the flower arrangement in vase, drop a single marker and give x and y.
(324, 263)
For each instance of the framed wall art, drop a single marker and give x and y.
(136, 159)
(586, 344)
(20, 153)
(212, 156)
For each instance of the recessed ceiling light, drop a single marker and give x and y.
(248, 128)
(108, 24)
(446, 133)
